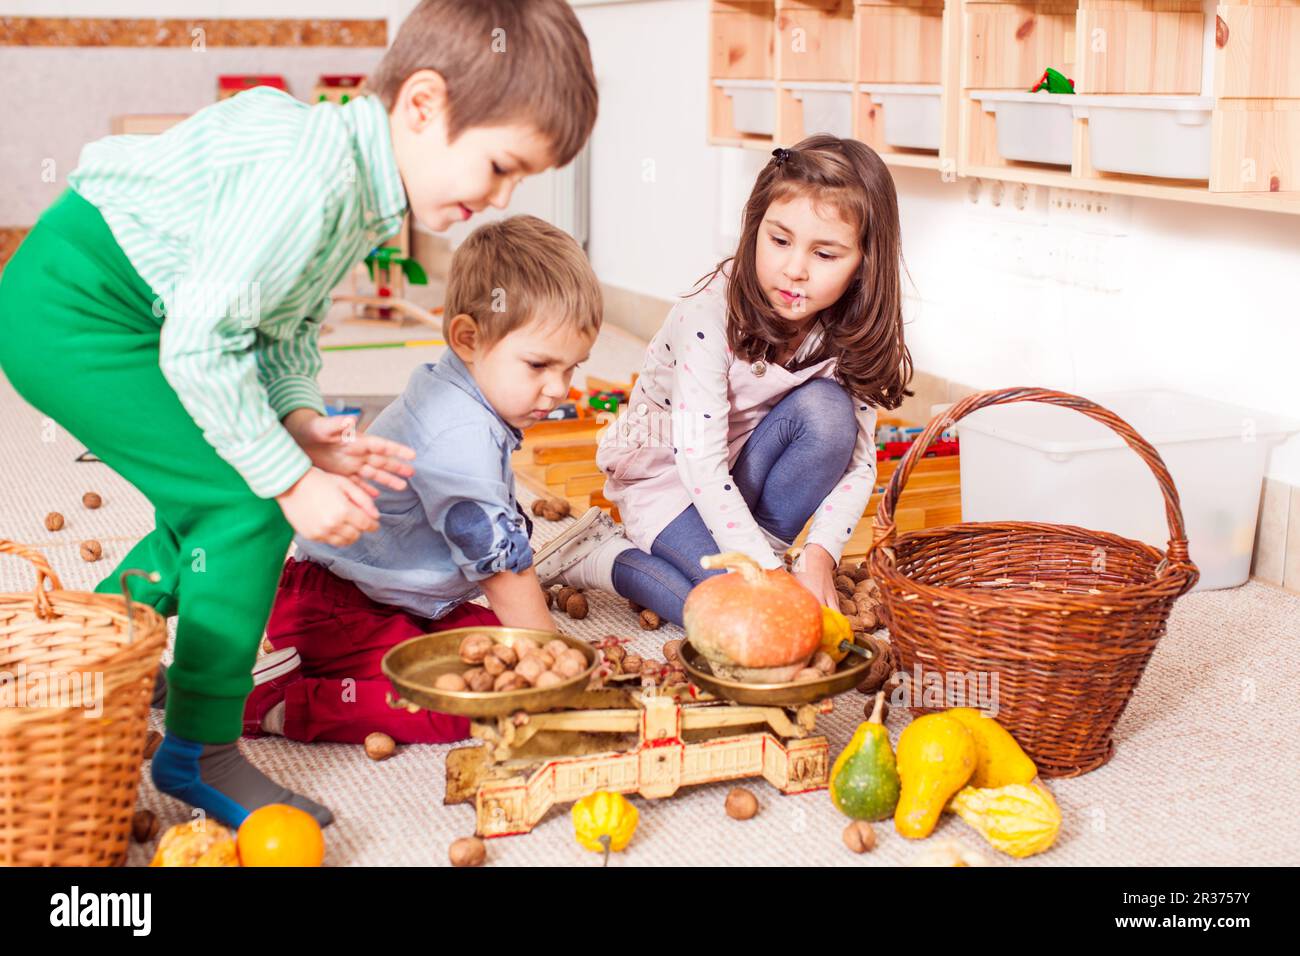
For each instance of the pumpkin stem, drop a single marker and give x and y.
(604, 841)
(880, 705)
(734, 561)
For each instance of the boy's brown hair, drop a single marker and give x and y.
(504, 61)
(510, 272)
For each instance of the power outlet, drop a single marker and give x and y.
(1104, 213)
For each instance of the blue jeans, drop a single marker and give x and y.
(790, 463)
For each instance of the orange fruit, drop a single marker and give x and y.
(280, 835)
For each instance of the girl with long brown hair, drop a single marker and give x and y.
(755, 409)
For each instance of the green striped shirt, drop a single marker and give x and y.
(242, 219)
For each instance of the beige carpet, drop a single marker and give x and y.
(1203, 774)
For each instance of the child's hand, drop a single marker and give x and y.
(333, 444)
(818, 575)
(328, 508)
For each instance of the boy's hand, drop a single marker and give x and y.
(333, 444)
(328, 508)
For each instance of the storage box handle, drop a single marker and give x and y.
(1176, 554)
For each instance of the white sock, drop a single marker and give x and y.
(273, 722)
(596, 570)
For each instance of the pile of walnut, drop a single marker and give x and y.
(619, 661)
(569, 600)
(552, 509)
(91, 550)
(859, 597)
(496, 667)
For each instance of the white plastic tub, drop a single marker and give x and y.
(1166, 136)
(913, 118)
(827, 107)
(1035, 462)
(1032, 127)
(753, 105)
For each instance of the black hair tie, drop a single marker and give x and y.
(780, 155)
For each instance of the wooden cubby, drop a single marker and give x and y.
(1237, 62)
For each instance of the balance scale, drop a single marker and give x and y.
(647, 742)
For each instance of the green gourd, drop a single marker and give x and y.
(864, 780)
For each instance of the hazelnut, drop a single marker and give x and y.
(480, 681)
(549, 679)
(475, 647)
(450, 682)
(823, 663)
(379, 746)
(144, 826)
(538, 505)
(673, 650)
(649, 620)
(550, 599)
(53, 521)
(562, 597)
(530, 668)
(506, 654)
(494, 665)
(860, 837)
(152, 741)
(555, 648)
(553, 514)
(467, 851)
(808, 673)
(91, 500)
(741, 804)
(91, 550)
(576, 608)
(508, 681)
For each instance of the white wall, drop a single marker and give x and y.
(1195, 298)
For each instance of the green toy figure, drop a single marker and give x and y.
(1053, 82)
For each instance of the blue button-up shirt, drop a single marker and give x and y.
(458, 521)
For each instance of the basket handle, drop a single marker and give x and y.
(883, 526)
(41, 598)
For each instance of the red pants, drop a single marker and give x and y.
(342, 636)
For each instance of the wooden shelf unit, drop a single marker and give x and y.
(1247, 58)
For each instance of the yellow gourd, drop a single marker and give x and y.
(604, 821)
(999, 761)
(1018, 819)
(835, 631)
(205, 844)
(936, 757)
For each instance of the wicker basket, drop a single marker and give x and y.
(70, 762)
(1063, 618)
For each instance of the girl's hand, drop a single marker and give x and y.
(328, 508)
(818, 575)
(333, 444)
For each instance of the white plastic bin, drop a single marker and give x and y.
(1032, 127)
(827, 107)
(753, 105)
(913, 118)
(1035, 462)
(1166, 136)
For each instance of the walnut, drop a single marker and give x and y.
(847, 607)
(576, 607)
(380, 746)
(843, 583)
(91, 550)
(741, 804)
(467, 851)
(91, 500)
(53, 521)
(860, 837)
(649, 620)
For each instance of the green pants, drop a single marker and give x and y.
(79, 341)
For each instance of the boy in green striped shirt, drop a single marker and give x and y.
(165, 311)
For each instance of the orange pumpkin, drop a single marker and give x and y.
(752, 625)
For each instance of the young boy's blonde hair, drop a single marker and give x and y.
(510, 272)
(504, 61)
